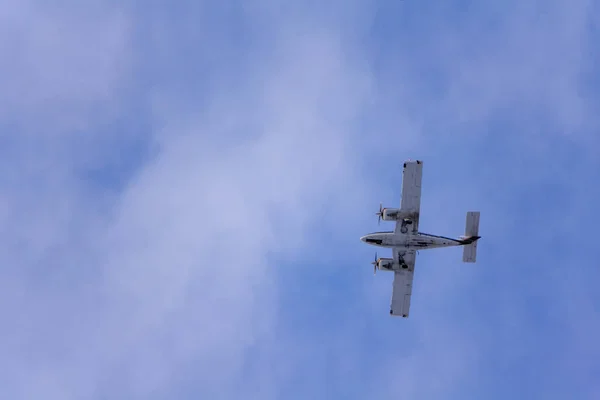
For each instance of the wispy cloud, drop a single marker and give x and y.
(222, 259)
(173, 283)
(62, 64)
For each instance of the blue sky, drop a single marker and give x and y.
(184, 185)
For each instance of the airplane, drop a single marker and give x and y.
(406, 239)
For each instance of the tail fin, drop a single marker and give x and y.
(471, 237)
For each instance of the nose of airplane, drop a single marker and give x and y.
(363, 239)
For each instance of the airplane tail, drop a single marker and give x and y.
(471, 237)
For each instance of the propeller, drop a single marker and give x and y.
(374, 264)
(380, 213)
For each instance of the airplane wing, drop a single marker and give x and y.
(403, 279)
(411, 195)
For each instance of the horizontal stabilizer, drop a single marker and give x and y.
(471, 237)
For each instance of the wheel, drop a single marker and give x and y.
(391, 312)
(403, 229)
(404, 266)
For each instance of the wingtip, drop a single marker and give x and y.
(412, 161)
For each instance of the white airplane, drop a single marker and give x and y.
(406, 239)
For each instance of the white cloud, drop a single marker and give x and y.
(61, 64)
(176, 285)
(531, 61)
(177, 274)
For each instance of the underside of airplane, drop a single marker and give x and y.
(406, 239)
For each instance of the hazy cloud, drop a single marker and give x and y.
(192, 228)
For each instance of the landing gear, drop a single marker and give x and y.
(405, 222)
(401, 260)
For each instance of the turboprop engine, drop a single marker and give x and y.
(392, 214)
(384, 264)
(387, 214)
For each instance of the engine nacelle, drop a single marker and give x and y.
(394, 214)
(390, 214)
(385, 264)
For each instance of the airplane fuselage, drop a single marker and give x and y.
(418, 241)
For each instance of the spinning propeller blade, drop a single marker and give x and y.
(374, 263)
(380, 213)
